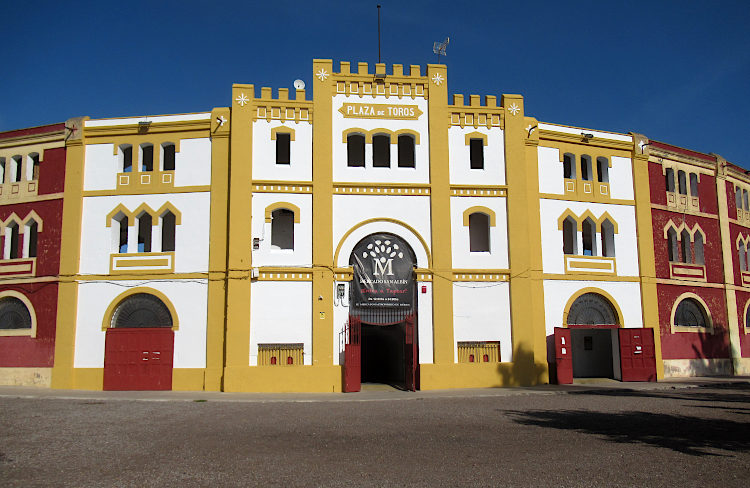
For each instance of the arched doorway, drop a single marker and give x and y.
(593, 322)
(382, 336)
(139, 344)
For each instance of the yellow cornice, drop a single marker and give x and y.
(34, 139)
(590, 277)
(405, 189)
(137, 276)
(552, 196)
(179, 189)
(576, 139)
(200, 128)
(32, 198)
(687, 211)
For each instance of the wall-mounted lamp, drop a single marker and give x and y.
(587, 136)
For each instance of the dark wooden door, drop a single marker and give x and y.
(563, 356)
(637, 355)
(138, 359)
(353, 355)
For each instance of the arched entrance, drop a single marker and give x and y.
(593, 321)
(139, 344)
(381, 338)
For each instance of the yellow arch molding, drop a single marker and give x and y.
(588, 214)
(408, 132)
(169, 206)
(20, 332)
(354, 130)
(107, 320)
(568, 213)
(678, 328)
(607, 216)
(150, 211)
(475, 135)
(36, 218)
(385, 219)
(284, 130)
(677, 230)
(285, 205)
(120, 208)
(598, 291)
(740, 239)
(479, 209)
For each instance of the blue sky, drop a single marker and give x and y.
(676, 71)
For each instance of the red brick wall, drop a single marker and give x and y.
(39, 351)
(711, 247)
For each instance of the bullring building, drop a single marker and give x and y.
(373, 232)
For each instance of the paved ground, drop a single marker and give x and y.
(668, 434)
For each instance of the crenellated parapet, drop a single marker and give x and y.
(363, 83)
(281, 108)
(475, 114)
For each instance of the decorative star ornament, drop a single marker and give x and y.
(437, 79)
(514, 109)
(242, 100)
(322, 74)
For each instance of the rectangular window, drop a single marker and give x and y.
(283, 143)
(476, 153)
(147, 158)
(355, 150)
(405, 151)
(127, 158)
(381, 151)
(168, 151)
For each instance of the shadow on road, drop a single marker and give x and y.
(721, 393)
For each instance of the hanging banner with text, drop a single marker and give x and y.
(383, 287)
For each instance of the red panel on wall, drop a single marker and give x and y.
(353, 355)
(563, 356)
(138, 359)
(637, 359)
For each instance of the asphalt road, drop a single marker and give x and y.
(676, 437)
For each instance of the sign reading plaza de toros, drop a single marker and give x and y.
(380, 111)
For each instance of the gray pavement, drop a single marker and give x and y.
(674, 433)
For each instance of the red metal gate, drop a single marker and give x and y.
(353, 355)
(138, 359)
(411, 357)
(637, 355)
(563, 356)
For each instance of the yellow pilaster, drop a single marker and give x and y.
(524, 246)
(217, 259)
(239, 245)
(322, 234)
(727, 250)
(67, 295)
(442, 263)
(646, 261)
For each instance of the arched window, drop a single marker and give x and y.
(602, 169)
(690, 313)
(698, 249)
(141, 310)
(355, 150)
(381, 151)
(282, 229)
(479, 232)
(742, 256)
(11, 241)
(672, 249)
(745, 200)
(592, 309)
(608, 238)
(147, 157)
(14, 315)
(144, 232)
(682, 182)
(120, 232)
(406, 151)
(2, 171)
(693, 184)
(669, 179)
(570, 236)
(168, 156)
(32, 166)
(476, 153)
(569, 166)
(168, 230)
(738, 198)
(125, 154)
(687, 255)
(589, 237)
(30, 240)
(586, 168)
(15, 168)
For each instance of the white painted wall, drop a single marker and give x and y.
(101, 168)
(189, 298)
(558, 292)
(494, 157)
(147, 118)
(264, 152)
(271, 322)
(341, 172)
(550, 171)
(191, 238)
(621, 178)
(626, 242)
(614, 136)
(497, 257)
(193, 163)
(351, 210)
(481, 312)
(302, 253)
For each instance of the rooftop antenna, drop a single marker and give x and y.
(378, 33)
(439, 48)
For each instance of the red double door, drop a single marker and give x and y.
(352, 370)
(138, 359)
(637, 355)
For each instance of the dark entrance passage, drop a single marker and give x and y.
(383, 354)
(592, 352)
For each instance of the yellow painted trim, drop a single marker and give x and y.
(744, 318)
(284, 130)
(120, 208)
(607, 216)
(593, 199)
(407, 132)
(107, 319)
(31, 332)
(283, 205)
(479, 209)
(475, 135)
(188, 379)
(598, 291)
(568, 213)
(592, 277)
(393, 221)
(36, 218)
(682, 328)
(126, 191)
(303, 379)
(356, 130)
